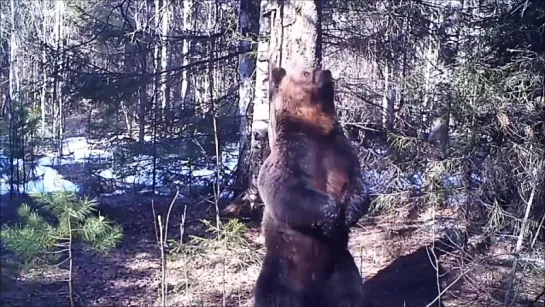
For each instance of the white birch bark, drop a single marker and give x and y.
(260, 116)
(44, 89)
(166, 13)
(248, 23)
(13, 58)
(440, 110)
(157, 55)
(57, 99)
(186, 48)
(388, 100)
(140, 20)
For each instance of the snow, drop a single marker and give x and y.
(143, 169)
(76, 150)
(139, 171)
(48, 180)
(79, 149)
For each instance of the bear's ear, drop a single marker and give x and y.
(323, 77)
(276, 75)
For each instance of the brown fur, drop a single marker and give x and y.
(312, 191)
(299, 100)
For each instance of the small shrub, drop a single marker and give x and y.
(36, 240)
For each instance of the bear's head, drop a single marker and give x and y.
(305, 95)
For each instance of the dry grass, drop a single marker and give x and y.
(218, 267)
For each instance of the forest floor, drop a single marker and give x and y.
(394, 257)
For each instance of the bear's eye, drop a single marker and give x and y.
(306, 74)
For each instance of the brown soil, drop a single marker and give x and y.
(393, 256)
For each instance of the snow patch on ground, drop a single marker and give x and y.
(46, 180)
(78, 150)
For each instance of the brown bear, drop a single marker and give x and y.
(313, 192)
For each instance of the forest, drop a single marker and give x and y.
(132, 132)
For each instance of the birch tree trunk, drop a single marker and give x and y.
(388, 100)
(188, 17)
(260, 116)
(4, 70)
(13, 98)
(43, 94)
(166, 13)
(204, 92)
(140, 20)
(248, 29)
(157, 105)
(440, 108)
(129, 64)
(57, 94)
(13, 58)
(157, 95)
(248, 23)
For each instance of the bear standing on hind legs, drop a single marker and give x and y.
(313, 193)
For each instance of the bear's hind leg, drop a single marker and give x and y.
(274, 288)
(345, 285)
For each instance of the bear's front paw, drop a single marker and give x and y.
(333, 219)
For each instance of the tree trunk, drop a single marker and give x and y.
(296, 34)
(439, 108)
(129, 64)
(13, 94)
(165, 30)
(188, 17)
(57, 95)
(388, 100)
(157, 95)
(140, 20)
(44, 71)
(248, 30)
(260, 116)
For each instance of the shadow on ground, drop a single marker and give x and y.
(98, 281)
(127, 276)
(409, 281)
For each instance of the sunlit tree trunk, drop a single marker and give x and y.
(157, 95)
(44, 89)
(14, 88)
(57, 98)
(388, 99)
(296, 34)
(165, 27)
(160, 55)
(13, 58)
(188, 22)
(440, 108)
(248, 30)
(431, 62)
(4, 70)
(211, 84)
(260, 117)
(141, 22)
(127, 105)
(296, 40)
